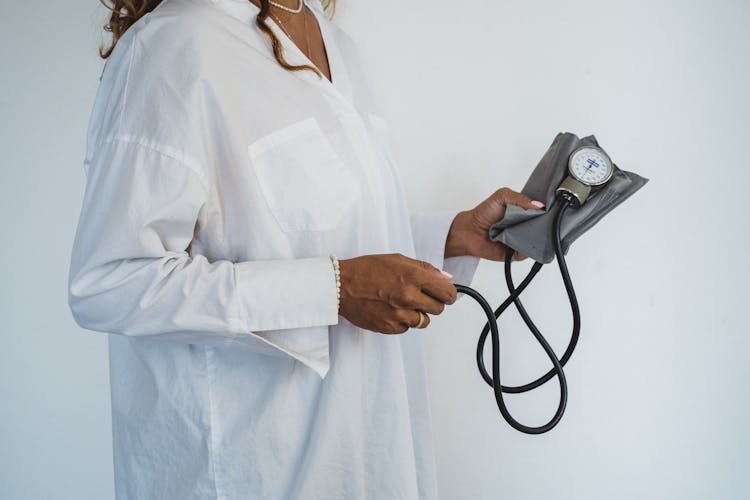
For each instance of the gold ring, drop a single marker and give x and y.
(422, 318)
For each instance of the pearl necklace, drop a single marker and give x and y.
(284, 7)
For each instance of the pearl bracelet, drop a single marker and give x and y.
(337, 272)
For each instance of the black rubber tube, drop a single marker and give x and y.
(491, 327)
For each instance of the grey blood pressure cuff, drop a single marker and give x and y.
(530, 231)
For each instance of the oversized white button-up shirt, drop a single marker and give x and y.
(217, 186)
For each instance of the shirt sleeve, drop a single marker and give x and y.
(132, 272)
(430, 231)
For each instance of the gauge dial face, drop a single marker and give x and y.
(590, 165)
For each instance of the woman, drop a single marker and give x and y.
(233, 151)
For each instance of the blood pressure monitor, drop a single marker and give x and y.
(586, 171)
(588, 167)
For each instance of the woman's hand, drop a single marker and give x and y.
(469, 232)
(384, 293)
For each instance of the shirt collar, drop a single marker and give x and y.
(340, 88)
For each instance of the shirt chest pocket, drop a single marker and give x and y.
(305, 183)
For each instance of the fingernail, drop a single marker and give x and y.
(447, 275)
(537, 204)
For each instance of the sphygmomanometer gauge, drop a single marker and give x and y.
(588, 167)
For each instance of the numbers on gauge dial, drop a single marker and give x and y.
(591, 166)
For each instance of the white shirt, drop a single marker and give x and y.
(217, 185)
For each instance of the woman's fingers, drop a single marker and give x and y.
(422, 320)
(414, 298)
(428, 288)
(435, 283)
(426, 303)
(384, 293)
(510, 197)
(401, 320)
(414, 319)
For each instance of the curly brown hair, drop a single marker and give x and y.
(127, 12)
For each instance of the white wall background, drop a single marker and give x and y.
(475, 92)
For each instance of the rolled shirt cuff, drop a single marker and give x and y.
(289, 304)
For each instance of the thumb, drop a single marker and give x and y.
(521, 200)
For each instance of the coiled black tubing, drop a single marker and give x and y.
(491, 328)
